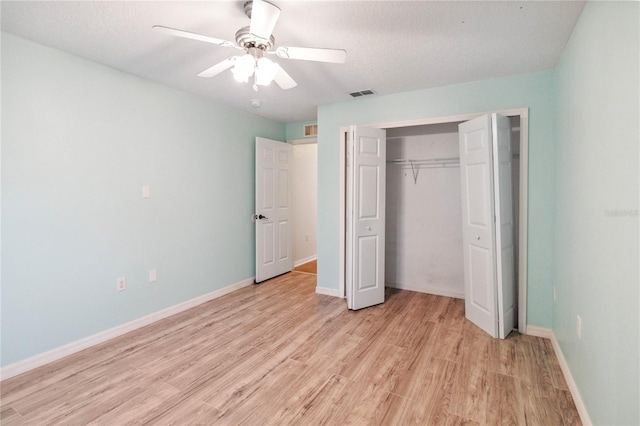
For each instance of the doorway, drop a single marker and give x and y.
(305, 203)
(519, 120)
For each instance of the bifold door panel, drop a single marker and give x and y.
(487, 223)
(366, 166)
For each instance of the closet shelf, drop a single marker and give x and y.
(426, 162)
(430, 161)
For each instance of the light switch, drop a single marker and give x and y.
(153, 276)
(146, 191)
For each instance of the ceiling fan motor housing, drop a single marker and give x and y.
(245, 39)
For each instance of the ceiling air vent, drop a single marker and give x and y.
(311, 130)
(364, 92)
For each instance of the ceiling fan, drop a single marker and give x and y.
(257, 40)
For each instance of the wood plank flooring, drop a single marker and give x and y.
(309, 267)
(278, 353)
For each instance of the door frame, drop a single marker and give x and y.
(523, 201)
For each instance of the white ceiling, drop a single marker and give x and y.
(392, 46)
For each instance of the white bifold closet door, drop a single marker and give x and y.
(365, 227)
(274, 240)
(487, 234)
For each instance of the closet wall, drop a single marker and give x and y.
(424, 211)
(423, 214)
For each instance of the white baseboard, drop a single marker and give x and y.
(438, 291)
(305, 260)
(328, 291)
(547, 333)
(39, 360)
(532, 330)
(573, 388)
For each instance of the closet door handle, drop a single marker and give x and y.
(478, 237)
(368, 228)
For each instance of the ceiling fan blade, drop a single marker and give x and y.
(193, 36)
(264, 17)
(336, 56)
(218, 68)
(283, 79)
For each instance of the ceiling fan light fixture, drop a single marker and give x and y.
(266, 71)
(243, 68)
(239, 77)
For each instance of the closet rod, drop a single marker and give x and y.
(432, 160)
(424, 160)
(430, 166)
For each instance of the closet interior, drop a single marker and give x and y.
(423, 248)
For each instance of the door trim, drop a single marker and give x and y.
(523, 201)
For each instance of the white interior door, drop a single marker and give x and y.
(273, 209)
(502, 177)
(486, 200)
(366, 182)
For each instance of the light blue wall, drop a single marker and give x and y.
(597, 202)
(79, 140)
(527, 90)
(296, 130)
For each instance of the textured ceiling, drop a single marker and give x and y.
(391, 46)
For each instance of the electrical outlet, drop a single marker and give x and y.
(121, 284)
(146, 191)
(554, 293)
(153, 276)
(579, 326)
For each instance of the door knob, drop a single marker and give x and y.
(478, 237)
(260, 216)
(368, 228)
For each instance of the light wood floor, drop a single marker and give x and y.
(309, 267)
(277, 353)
